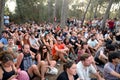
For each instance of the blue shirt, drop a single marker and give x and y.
(108, 68)
(4, 41)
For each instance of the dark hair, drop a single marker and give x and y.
(84, 56)
(67, 65)
(10, 37)
(113, 55)
(6, 56)
(110, 47)
(41, 51)
(83, 43)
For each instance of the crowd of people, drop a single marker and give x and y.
(29, 51)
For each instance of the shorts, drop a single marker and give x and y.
(55, 57)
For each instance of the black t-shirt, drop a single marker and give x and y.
(64, 76)
(118, 38)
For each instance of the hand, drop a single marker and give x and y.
(78, 79)
(12, 77)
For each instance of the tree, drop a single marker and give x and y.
(64, 12)
(2, 5)
(85, 13)
(106, 13)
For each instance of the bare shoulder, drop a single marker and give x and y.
(1, 73)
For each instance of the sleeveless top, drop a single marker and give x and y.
(7, 75)
(44, 56)
(26, 62)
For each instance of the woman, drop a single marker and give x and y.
(25, 39)
(45, 62)
(8, 70)
(83, 49)
(46, 41)
(69, 72)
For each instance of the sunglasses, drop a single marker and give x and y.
(44, 48)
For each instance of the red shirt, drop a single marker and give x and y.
(111, 24)
(59, 46)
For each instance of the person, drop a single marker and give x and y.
(101, 54)
(59, 50)
(11, 47)
(111, 69)
(8, 71)
(117, 37)
(46, 62)
(92, 42)
(69, 72)
(6, 20)
(34, 44)
(3, 40)
(46, 41)
(85, 68)
(25, 62)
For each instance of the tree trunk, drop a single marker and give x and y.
(19, 9)
(54, 13)
(64, 12)
(91, 11)
(2, 5)
(85, 13)
(106, 14)
(49, 10)
(95, 13)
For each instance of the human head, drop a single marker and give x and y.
(93, 37)
(10, 40)
(70, 67)
(86, 59)
(59, 40)
(6, 57)
(32, 35)
(84, 45)
(114, 57)
(42, 49)
(5, 34)
(110, 47)
(26, 48)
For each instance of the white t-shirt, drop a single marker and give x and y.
(85, 72)
(6, 19)
(92, 43)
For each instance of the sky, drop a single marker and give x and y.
(11, 4)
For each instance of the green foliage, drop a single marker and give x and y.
(44, 10)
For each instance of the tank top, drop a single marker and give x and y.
(26, 62)
(7, 75)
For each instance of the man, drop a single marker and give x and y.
(59, 50)
(111, 24)
(92, 42)
(11, 47)
(85, 68)
(101, 54)
(112, 68)
(25, 62)
(3, 40)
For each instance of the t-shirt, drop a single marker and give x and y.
(64, 76)
(108, 68)
(59, 46)
(4, 41)
(92, 43)
(97, 54)
(85, 72)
